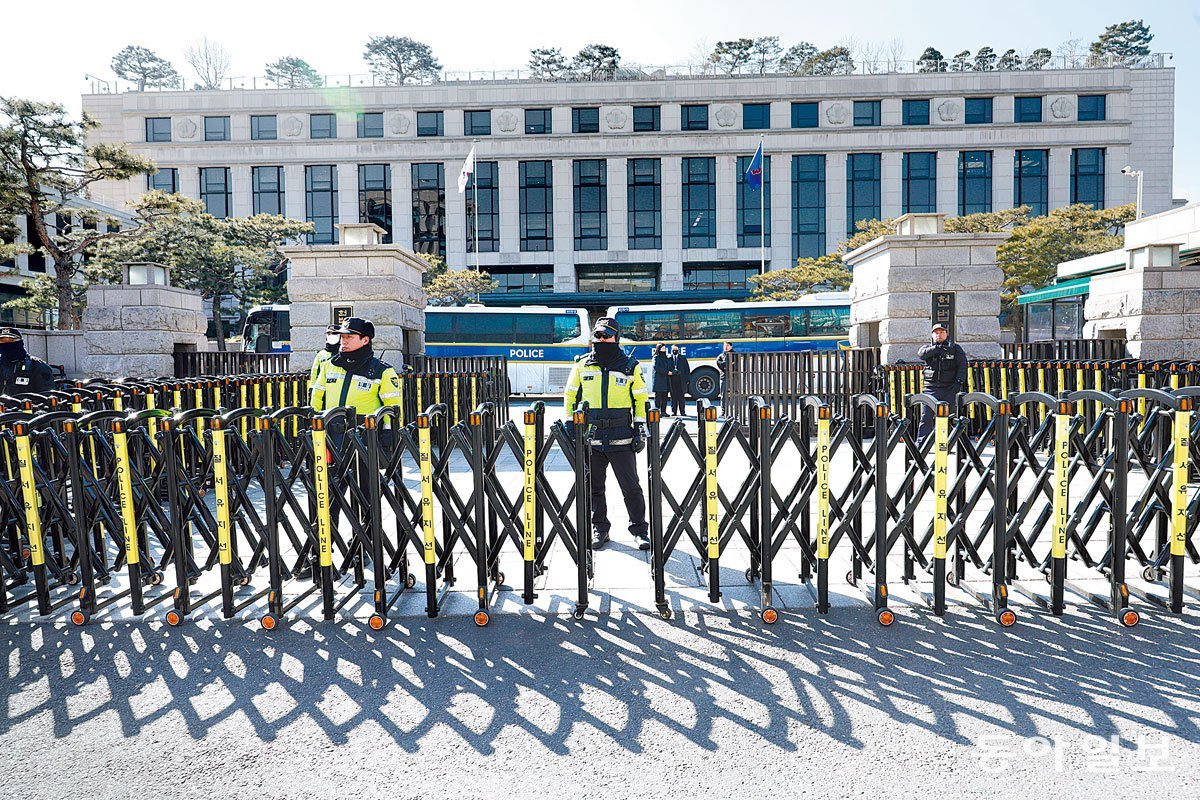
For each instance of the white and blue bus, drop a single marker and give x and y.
(268, 329)
(814, 322)
(540, 343)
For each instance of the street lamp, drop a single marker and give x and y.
(1135, 173)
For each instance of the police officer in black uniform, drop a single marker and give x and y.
(945, 372)
(21, 373)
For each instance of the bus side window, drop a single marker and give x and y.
(771, 324)
(439, 327)
(532, 328)
(566, 328)
(825, 321)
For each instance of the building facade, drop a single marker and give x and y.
(621, 191)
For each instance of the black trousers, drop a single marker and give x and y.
(678, 399)
(945, 394)
(624, 466)
(660, 402)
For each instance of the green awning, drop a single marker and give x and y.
(1071, 288)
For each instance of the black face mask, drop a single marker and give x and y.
(12, 351)
(608, 353)
(353, 361)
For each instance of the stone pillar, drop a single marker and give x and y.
(564, 224)
(1154, 304)
(835, 201)
(380, 282)
(726, 187)
(894, 276)
(133, 329)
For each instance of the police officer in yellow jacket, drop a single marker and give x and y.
(611, 384)
(354, 376)
(333, 343)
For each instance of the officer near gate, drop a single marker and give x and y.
(611, 384)
(21, 373)
(945, 372)
(333, 343)
(353, 376)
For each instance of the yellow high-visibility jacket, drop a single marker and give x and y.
(323, 355)
(376, 386)
(616, 400)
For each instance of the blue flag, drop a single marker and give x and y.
(754, 173)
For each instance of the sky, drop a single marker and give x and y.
(47, 55)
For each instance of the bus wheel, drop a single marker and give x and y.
(706, 383)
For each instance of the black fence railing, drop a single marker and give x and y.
(1067, 350)
(781, 380)
(196, 364)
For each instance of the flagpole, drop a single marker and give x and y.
(762, 218)
(475, 195)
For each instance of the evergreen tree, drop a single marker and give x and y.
(142, 66)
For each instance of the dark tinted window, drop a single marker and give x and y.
(158, 129)
(216, 129)
(537, 120)
(978, 111)
(585, 120)
(370, 125)
(694, 118)
(322, 126)
(429, 123)
(804, 115)
(756, 116)
(263, 128)
(646, 118)
(1091, 108)
(916, 112)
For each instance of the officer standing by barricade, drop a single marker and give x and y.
(945, 372)
(610, 383)
(354, 377)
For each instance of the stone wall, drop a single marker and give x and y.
(134, 330)
(381, 283)
(1154, 303)
(894, 276)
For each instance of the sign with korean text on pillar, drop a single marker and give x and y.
(942, 311)
(341, 314)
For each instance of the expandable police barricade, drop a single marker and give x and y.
(109, 498)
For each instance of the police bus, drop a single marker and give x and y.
(814, 322)
(540, 343)
(268, 329)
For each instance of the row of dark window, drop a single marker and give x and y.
(755, 116)
(698, 189)
(531, 278)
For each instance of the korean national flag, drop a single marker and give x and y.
(754, 173)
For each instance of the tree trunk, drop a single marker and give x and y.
(68, 314)
(216, 306)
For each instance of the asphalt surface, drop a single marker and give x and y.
(711, 705)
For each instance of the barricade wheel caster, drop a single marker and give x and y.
(79, 618)
(1129, 618)
(749, 574)
(269, 622)
(952, 578)
(243, 581)
(577, 613)
(499, 578)
(850, 579)
(410, 581)
(885, 617)
(482, 619)
(156, 578)
(1006, 618)
(1150, 574)
(71, 579)
(174, 618)
(1049, 577)
(769, 615)
(377, 622)
(665, 613)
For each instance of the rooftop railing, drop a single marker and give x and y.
(623, 73)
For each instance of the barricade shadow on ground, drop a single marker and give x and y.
(627, 676)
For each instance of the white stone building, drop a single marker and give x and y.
(839, 148)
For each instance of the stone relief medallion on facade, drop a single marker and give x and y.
(616, 119)
(949, 110)
(292, 126)
(837, 114)
(726, 116)
(1061, 108)
(507, 121)
(186, 128)
(399, 124)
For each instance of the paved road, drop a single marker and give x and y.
(711, 705)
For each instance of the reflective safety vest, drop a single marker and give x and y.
(616, 400)
(323, 355)
(366, 392)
